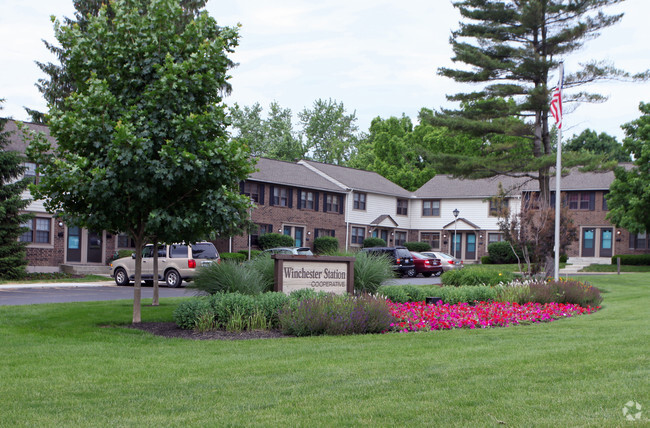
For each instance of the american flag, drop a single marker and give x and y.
(556, 99)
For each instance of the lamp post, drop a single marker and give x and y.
(455, 212)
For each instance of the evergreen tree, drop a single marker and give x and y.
(511, 47)
(12, 185)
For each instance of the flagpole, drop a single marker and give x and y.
(558, 176)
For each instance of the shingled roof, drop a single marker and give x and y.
(358, 179)
(291, 174)
(16, 142)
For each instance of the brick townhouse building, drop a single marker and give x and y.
(308, 199)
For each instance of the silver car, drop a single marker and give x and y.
(448, 261)
(176, 263)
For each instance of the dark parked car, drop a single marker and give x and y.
(399, 256)
(426, 265)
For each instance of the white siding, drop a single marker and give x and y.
(473, 210)
(378, 205)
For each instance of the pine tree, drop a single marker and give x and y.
(511, 47)
(12, 217)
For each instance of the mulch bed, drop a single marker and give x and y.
(170, 329)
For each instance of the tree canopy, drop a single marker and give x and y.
(511, 47)
(142, 142)
(599, 144)
(628, 200)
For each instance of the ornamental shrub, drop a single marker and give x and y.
(229, 277)
(633, 259)
(254, 253)
(451, 295)
(370, 270)
(272, 240)
(565, 291)
(418, 246)
(373, 242)
(270, 305)
(227, 305)
(336, 315)
(236, 257)
(486, 260)
(501, 253)
(326, 245)
(188, 312)
(264, 267)
(475, 276)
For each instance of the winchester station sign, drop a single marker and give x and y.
(320, 273)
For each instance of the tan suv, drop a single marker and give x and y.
(176, 263)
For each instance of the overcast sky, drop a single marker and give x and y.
(379, 57)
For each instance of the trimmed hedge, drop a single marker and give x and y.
(450, 295)
(254, 253)
(501, 253)
(632, 259)
(373, 242)
(475, 276)
(418, 246)
(237, 257)
(272, 240)
(326, 245)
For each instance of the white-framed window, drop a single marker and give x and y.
(39, 231)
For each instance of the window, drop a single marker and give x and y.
(178, 251)
(402, 207)
(38, 231)
(281, 196)
(605, 201)
(358, 234)
(30, 171)
(324, 232)
(495, 237)
(261, 230)
(252, 190)
(307, 200)
(431, 238)
(400, 238)
(498, 206)
(581, 200)
(162, 251)
(359, 201)
(638, 241)
(431, 208)
(124, 241)
(332, 203)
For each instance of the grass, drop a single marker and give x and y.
(56, 278)
(61, 367)
(503, 268)
(612, 268)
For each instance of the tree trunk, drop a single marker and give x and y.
(549, 266)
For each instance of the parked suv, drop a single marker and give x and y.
(399, 256)
(176, 263)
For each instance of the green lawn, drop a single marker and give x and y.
(62, 367)
(36, 278)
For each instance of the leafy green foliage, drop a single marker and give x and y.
(562, 291)
(336, 315)
(236, 257)
(188, 312)
(254, 253)
(418, 246)
(370, 271)
(272, 240)
(326, 245)
(12, 216)
(629, 198)
(264, 267)
(475, 276)
(450, 295)
(373, 242)
(230, 276)
(502, 253)
(600, 144)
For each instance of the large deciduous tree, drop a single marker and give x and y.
(628, 200)
(600, 144)
(510, 47)
(12, 204)
(142, 141)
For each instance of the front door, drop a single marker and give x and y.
(74, 244)
(298, 236)
(470, 246)
(588, 242)
(457, 245)
(606, 242)
(94, 249)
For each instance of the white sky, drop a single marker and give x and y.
(379, 57)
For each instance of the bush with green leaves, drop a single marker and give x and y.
(229, 277)
(254, 253)
(264, 266)
(326, 245)
(118, 255)
(370, 270)
(501, 253)
(272, 240)
(475, 275)
(450, 295)
(486, 260)
(373, 242)
(237, 257)
(418, 246)
(632, 259)
(336, 315)
(539, 291)
(188, 312)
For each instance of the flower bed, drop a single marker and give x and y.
(418, 316)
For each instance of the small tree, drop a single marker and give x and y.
(12, 186)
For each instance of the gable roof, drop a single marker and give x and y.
(358, 179)
(446, 187)
(291, 174)
(379, 220)
(16, 142)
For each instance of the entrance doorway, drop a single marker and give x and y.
(297, 233)
(74, 244)
(94, 250)
(588, 242)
